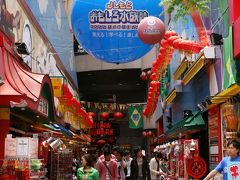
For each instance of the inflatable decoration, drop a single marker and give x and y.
(107, 29)
(151, 30)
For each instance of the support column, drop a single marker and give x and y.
(4, 126)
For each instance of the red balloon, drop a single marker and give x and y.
(151, 30)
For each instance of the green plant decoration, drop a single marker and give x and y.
(184, 7)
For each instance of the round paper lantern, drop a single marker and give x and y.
(151, 30)
(118, 115)
(101, 141)
(149, 73)
(104, 115)
(144, 133)
(143, 76)
(149, 133)
(108, 29)
(92, 114)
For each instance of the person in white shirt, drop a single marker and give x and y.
(154, 166)
(128, 159)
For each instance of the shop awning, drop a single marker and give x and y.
(19, 83)
(195, 68)
(171, 96)
(65, 132)
(194, 122)
(226, 94)
(181, 68)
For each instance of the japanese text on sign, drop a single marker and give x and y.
(116, 16)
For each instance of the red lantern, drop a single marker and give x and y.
(101, 141)
(172, 38)
(118, 115)
(153, 76)
(151, 30)
(144, 133)
(149, 72)
(104, 115)
(169, 34)
(92, 114)
(164, 43)
(149, 133)
(143, 76)
(176, 43)
(162, 50)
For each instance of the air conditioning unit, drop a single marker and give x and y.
(212, 52)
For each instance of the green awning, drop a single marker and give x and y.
(191, 123)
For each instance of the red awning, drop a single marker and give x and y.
(18, 82)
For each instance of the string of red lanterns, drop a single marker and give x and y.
(168, 44)
(147, 133)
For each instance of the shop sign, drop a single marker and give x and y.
(107, 29)
(57, 86)
(196, 167)
(191, 149)
(43, 106)
(102, 129)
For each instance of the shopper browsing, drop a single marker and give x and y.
(87, 171)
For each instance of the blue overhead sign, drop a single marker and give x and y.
(107, 29)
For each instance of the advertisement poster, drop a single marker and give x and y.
(22, 147)
(33, 148)
(10, 147)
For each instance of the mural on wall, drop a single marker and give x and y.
(27, 39)
(9, 21)
(40, 59)
(52, 17)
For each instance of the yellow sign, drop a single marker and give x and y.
(57, 86)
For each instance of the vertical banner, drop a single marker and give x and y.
(229, 64)
(135, 117)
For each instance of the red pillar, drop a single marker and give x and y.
(4, 128)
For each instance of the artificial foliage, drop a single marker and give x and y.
(184, 7)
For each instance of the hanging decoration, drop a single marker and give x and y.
(92, 114)
(168, 44)
(147, 133)
(151, 30)
(118, 115)
(104, 115)
(107, 29)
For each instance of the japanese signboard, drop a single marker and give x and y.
(107, 29)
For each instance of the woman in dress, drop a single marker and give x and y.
(87, 172)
